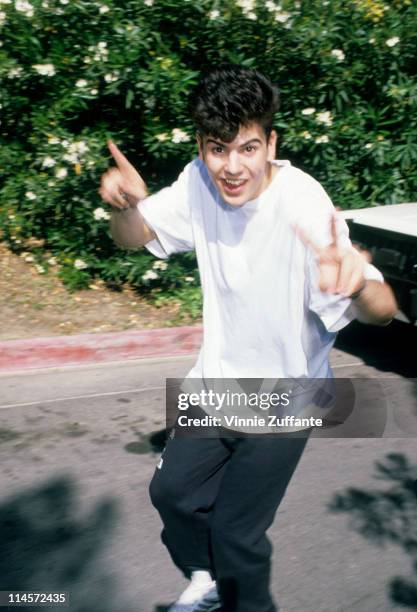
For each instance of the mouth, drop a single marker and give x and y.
(233, 186)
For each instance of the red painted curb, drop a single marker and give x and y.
(98, 348)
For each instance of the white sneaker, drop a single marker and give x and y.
(200, 596)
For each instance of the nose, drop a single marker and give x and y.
(233, 165)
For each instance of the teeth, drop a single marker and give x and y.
(234, 182)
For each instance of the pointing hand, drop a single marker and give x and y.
(121, 186)
(341, 270)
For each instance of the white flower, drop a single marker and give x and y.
(24, 7)
(39, 269)
(247, 6)
(99, 52)
(189, 279)
(3, 17)
(271, 6)
(391, 42)
(162, 137)
(251, 15)
(52, 261)
(5, 2)
(100, 213)
(71, 158)
(61, 173)
(81, 83)
(80, 264)
(94, 92)
(308, 111)
(110, 77)
(338, 54)
(103, 9)
(30, 195)
(214, 14)
(150, 275)
(369, 145)
(53, 140)
(79, 147)
(160, 265)
(148, 2)
(48, 162)
(28, 258)
(325, 117)
(372, 40)
(321, 139)
(65, 144)
(179, 136)
(282, 17)
(45, 4)
(306, 135)
(15, 72)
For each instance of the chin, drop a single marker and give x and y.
(239, 200)
(235, 202)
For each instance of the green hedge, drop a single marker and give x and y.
(75, 72)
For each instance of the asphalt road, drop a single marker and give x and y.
(76, 458)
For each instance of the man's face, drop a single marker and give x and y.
(240, 169)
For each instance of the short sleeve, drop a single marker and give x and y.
(168, 214)
(334, 311)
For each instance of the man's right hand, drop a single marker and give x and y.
(122, 186)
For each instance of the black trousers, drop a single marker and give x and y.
(217, 497)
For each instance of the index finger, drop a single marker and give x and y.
(333, 229)
(121, 161)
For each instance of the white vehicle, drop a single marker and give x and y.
(389, 233)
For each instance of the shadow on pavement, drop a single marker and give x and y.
(391, 348)
(388, 515)
(47, 545)
(157, 440)
(148, 443)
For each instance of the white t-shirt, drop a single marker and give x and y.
(264, 316)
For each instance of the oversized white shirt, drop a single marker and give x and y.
(263, 315)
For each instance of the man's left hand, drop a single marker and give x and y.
(341, 270)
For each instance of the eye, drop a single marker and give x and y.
(217, 150)
(250, 148)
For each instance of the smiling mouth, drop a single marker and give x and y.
(234, 181)
(233, 185)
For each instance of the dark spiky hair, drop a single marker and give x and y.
(232, 96)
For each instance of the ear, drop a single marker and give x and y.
(272, 145)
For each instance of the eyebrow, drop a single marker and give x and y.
(222, 144)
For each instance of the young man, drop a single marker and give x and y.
(280, 278)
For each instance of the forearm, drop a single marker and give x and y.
(128, 228)
(376, 304)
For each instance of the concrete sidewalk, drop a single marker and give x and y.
(98, 348)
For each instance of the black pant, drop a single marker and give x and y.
(217, 498)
